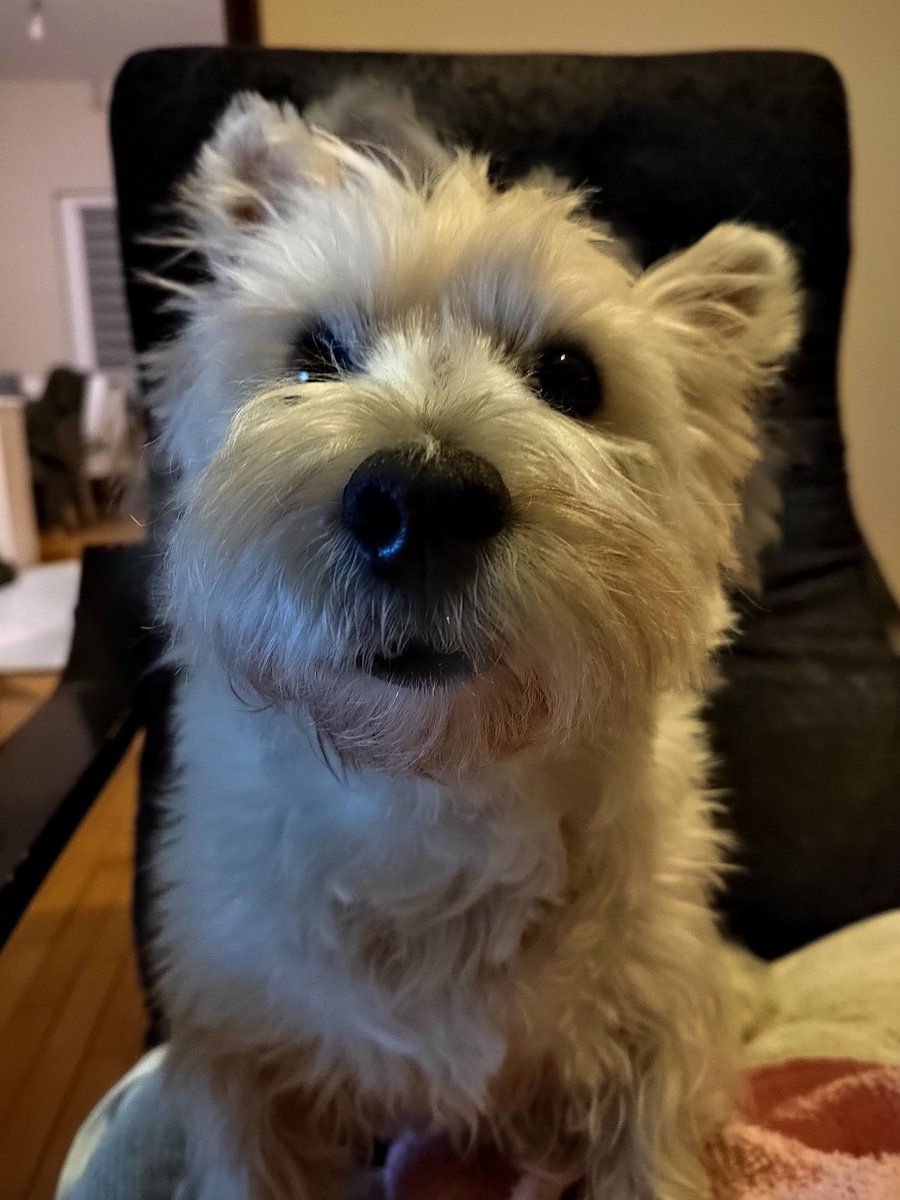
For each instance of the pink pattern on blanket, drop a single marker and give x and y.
(811, 1129)
(814, 1129)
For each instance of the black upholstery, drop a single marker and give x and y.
(53, 767)
(808, 724)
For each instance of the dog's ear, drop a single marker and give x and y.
(382, 121)
(263, 157)
(249, 171)
(730, 308)
(735, 291)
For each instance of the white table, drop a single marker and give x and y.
(37, 617)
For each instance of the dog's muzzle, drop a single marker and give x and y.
(421, 524)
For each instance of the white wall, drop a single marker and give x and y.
(52, 139)
(862, 39)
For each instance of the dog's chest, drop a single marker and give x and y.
(369, 914)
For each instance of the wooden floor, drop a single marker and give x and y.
(71, 1020)
(70, 1012)
(20, 696)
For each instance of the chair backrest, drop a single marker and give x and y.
(809, 724)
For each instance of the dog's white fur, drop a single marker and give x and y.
(482, 908)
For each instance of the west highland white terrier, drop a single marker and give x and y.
(459, 494)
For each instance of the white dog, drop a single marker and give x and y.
(458, 497)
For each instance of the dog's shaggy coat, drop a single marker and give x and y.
(479, 904)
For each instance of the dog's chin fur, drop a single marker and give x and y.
(478, 903)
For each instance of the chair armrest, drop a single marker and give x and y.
(55, 765)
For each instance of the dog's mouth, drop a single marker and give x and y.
(421, 665)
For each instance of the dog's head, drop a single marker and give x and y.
(455, 480)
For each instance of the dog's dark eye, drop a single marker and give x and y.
(317, 354)
(568, 381)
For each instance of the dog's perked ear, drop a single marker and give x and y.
(729, 308)
(248, 173)
(263, 157)
(735, 292)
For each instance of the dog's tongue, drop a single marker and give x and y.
(428, 1168)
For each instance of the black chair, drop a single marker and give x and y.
(808, 722)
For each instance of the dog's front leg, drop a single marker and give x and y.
(626, 1113)
(253, 1132)
(650, 1139)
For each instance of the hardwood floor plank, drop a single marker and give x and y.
(53, 1070)
(114, 1047)
(39, 1010)
(71, 1020)
(105, 835)
(35, 939)
(20, 696)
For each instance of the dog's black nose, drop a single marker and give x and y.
(421, 518)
